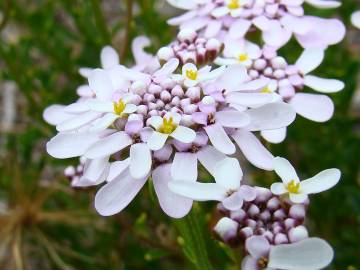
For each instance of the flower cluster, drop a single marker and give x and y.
(193, 103)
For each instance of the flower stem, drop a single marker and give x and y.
(193, 241)
(100, 21)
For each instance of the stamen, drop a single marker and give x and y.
(293, 187)
(168, 126)
(263, 262)
(119, 107)
(266, 90)
(243, 57)
(234, 4)
(191, 74)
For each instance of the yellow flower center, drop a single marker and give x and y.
(191, 74)
(234, 4)
(168, 126)
(293, 187)
(263, 262)
(243, 57)
(119, 107)
(266, 90)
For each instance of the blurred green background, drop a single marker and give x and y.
(45, 224)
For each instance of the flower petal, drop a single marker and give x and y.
(310, 59)
(198, 191)
(117, 194)
(77, 121)
(109, 145)
(355, 19)
(312, 253)
(157, 140)
(228, 173)
(184, 134)
(109, 57)
(95, 172)
(232, 119)
(324, 3)
(321, 182)
(249, 99)
(318, 108)
(233, 202)
(253, 150)
(298, 198)
(285, 170)
(209, 156)
(140, 160)
(239, 28)
(172, 204)
(257, 246)
(274, 135)
(101, 84)
(219, 139)
(278, 189)
(68, 145)
(249, 263)
(184, 166)
(117, 168)
(271, 116)
(323, 85)
(55, 114)
(103, 122)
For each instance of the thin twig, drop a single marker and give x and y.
(129, 18)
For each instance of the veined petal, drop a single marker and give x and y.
(198, 191)
(318, 108)
(103, 122)
(228, 173)
(184, 134)
(184, 167)
(156, 121)
(232, 119)
(109, 145)
(209, 156)
(323, 85)
(95, 172)
(310, 59)
(140, 160)
(109, 57)
(285, 170)
(117, 194)
(68, 145)
(77, 121)
(321, 182)
(253, 150)
(311, 253)
(219, 139)
(157, 140)
(172, 204)
(117, 168)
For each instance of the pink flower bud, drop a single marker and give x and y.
(297, 234)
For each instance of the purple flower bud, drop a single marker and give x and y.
(280, 238)
(297, 234)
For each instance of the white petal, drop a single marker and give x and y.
(355, 19)
(253, 85)
(55, 114)
(109, 57)
(239, 28)
(198, 191)
(101, 84)
(298, 198)
(100, 105)
(257, 246)
(209, 156)
(324, 3)
(310, 254)
(219, 139)
(140, 160)
(172, 204)
(157, 140)
(184, 134)
(249, 263)
(323, 85)
(156, 121)
(94, 172)
(168, 68)
(183, 4)
(321, 182)
(68, 145)
(77, 107)
(285, 170)
(232, 119)
(184, 166)
(109, 145)
(228, 173)
(220, 12)
(253, 150)
(117, 194)
(278, 189)
(310, 59)
(274, 135)
(318, 108)
(117, 168)
(130, 108)
(271, 116)
(249, 99)
(103, 122)
(77, 121)
(85, 72)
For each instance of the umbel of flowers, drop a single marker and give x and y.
(202, 99)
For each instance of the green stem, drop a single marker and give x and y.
(193, 241)
(100, 21)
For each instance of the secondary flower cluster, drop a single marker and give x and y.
(161, 118)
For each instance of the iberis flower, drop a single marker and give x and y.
(159, 123)
(277, 20)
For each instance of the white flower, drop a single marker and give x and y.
(227, 189)
(232, 7)
(192, 76)
(299, 190)
(168, 126)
